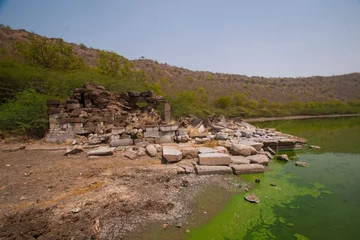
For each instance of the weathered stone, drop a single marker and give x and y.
(215, 159)
(314, 147)
(74, 150)
(152, 133)
(206, 150)
(159, 148)
(180, 170)
(255, 145)
(141, 151)
(171, 154)
(151, 150)
(243, 150)
(206, 170)
(268, 154)
(121, 142)
(101, 151)
(130, 154)
(221, 149)
(270, 150)
(239, 160)
(252, 198)
(259, 159)
(221, 136)
(188, 169)
(248, 168)
(301, 164)
(283, 157)
(189, 152)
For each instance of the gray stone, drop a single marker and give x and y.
(171, 154)
(252, 198)
(239, 160)
(268, 154)
(248, 168)
(214, 159)
(270, 150)
(189, 152)
(130, 154)
(121, 142)
(259, 159)
(282, 157)
(151, 150)
(102, 151)
(301, 164)
(243, 150)
(221, 136)
(206, 170)
(206, 150)
(314, 147)
(188, 169)
(152, 134)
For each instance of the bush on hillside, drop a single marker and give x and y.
(25, 115)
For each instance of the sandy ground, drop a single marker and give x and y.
(46, 195)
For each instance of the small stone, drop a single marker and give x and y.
(179, 225)
(273, 184)
(165, 225)
(187, 231)
(314, 147)
(28, 166)
(257, 180)
(76, 210)
(8, 165)
(252, 198)
(283, 157)
(301, 164)
(151, 150)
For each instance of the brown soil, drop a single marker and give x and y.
(46, 195)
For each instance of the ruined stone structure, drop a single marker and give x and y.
(93, 110)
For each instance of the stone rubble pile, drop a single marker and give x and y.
(129, 123)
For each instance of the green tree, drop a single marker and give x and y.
(110, 63)
(223, 102)
(49, 53)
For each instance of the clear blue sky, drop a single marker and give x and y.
(252, 37)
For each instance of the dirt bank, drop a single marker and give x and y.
(46, 195)
(264, 119)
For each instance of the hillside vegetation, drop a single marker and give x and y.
(34, 68)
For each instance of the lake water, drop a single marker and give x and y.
(321, 201)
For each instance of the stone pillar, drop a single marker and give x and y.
(167, 112)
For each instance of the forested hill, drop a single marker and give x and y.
(32, 65)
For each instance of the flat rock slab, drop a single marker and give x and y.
(73, 150)
(206, 170)
(171, 154)
(188, 169)
(102, 151)
(259, 159)
(214, 159)
(206, 150)
(301, 164)
(248, 168)
(121, 142)
(239, 160)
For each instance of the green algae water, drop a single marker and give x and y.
(321, 201)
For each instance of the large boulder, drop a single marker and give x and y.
(171, 154)
(243, 150)
(189, 152)
(259, 159)
(151, 150)
(214, 159)
(248, 168)
(206, 170)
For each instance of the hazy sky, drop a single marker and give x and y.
(252, 37)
